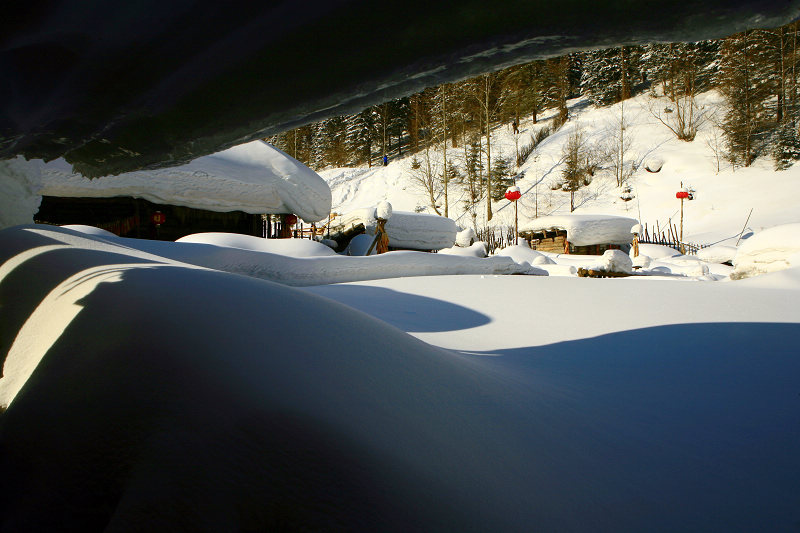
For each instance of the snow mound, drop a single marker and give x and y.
(771, 250)
(413, 231)
(478, 249)
(615, 261)
(641, 261)
(524, 254)
(288, 247)
(89, 230)
(465, 238)
(383, 211)
(585, 230)
(657, 251)
(254, 177)
(719, 253)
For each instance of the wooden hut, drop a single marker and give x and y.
(253, 189)
(579, 234)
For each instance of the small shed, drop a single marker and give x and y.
(229, 191)
(406, 230)
(579, 234)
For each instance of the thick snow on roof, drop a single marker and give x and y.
(254, 177)
(415, 231)
(584, 230)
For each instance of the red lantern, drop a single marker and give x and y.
(291, 220)
(682, 194)
(158, 218)
(512, 195)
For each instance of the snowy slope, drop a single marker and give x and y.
(723, 200)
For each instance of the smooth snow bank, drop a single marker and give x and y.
(524, 254)
(254, 177)
(771, 250)
(89, 230)
(313, 263)
(657, 251)
(585, 230)
(414, 231)
(165, 397)
(477, 249)
(288, 247)
(719, 253)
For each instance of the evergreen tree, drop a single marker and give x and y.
(502, 177)
(740, 80)
(609, 75)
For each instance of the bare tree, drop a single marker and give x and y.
(425, 176)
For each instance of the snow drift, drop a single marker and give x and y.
(773, 249)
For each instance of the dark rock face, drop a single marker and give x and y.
(114, 87)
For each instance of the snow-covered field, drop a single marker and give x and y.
(186, 386)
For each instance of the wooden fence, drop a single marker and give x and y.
(496, 237)
(668, 237)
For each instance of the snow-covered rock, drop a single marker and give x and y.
(771, 250)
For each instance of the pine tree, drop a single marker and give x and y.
(609, 75)
(502, 177)
(740, 81)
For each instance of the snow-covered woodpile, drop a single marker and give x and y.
(406, 231)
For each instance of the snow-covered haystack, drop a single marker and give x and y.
(412, 231)
(288, 247)
(254, 178)
(773, 249)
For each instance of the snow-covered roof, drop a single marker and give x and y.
(254, 177)
(413, 231)
(585, 230)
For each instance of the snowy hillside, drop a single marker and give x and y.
(722, 202)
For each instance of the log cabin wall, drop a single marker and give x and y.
(132, 217)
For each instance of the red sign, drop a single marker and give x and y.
(682, 194)
(158, 218)
(513, 195)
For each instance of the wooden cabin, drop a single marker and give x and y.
(579, 234)
(139, 218)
